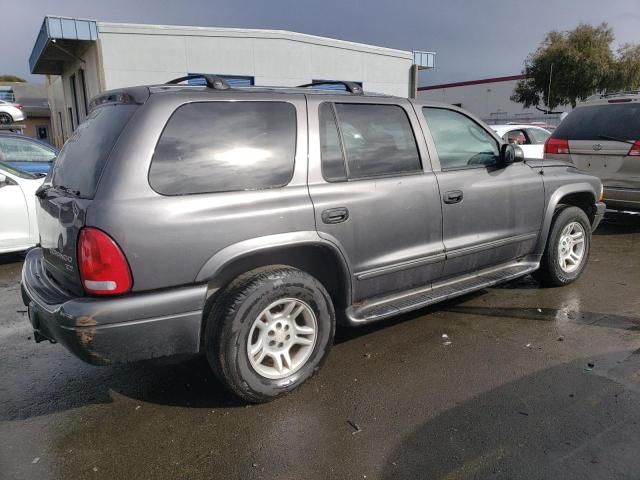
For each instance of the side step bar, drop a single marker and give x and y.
(384, 307)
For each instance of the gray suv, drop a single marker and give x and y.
(245, 222)
(602, 137)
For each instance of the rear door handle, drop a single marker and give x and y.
(335, 215)
(453, 196)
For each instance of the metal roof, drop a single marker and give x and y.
(58, 42)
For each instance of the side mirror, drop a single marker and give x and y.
(4, 180)
(510, 153)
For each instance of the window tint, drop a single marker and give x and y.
(378, 140)
(330, 147)
(620, 120)
(18, 150)
(83, 157)
(538, 136)
(225, 146)
(517, 137)
(460, 141)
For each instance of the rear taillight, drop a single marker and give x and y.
(634, 151)
(556, 146)
(103, 267)
(18, 106)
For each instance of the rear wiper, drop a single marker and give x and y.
(75, 193)
(615, 139)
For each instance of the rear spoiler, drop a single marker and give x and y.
(133, 95)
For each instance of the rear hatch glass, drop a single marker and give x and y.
(619, 120)
(83, 157)
(62, 209)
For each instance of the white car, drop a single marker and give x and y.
(11, 113)
(528, 137)
(18, 227)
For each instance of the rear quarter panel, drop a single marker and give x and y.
(168, 239)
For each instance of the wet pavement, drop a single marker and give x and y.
(536, 383)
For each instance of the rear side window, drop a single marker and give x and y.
(211, 147)
(333, 168)
(619, 120)
(378, 140)
(83, 157)
(538, 136)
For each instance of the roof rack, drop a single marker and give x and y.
(351, 87)
(217, 83)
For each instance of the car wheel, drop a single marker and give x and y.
(269, 332)
(5, 119)
(567, 249)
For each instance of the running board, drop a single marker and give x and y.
(383, 307)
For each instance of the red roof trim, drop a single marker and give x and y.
(473, 82)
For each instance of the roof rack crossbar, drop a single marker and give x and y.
(217, 83)
(351, 87)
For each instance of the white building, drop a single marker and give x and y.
(83, 58)
(488, 99)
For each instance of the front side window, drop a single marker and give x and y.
(225, 146)
(516, 137)
(18, 150)
(460, 142)
(538, 136)
(378, 140)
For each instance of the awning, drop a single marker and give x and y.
(60, 40)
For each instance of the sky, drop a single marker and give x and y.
(473, 39)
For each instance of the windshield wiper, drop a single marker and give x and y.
(615, 139)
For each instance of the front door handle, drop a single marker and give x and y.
(453, 196)
(335, 215)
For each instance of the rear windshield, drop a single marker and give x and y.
(83, 157)
(620, 120)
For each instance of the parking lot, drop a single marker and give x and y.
(510, 382)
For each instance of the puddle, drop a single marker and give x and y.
(621, 322)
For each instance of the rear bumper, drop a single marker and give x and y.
(622, 198)
(112, 330)
(597, 218)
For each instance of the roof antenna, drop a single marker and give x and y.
(547, 112)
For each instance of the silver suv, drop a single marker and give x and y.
(245, 222)
(602, 137)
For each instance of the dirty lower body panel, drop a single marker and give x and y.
(112, 330)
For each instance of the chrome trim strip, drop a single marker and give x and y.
(397, 267)
(460, 252)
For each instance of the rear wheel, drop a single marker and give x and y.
(270, 331)
(5, 118)
(567, 249)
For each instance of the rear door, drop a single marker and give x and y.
(63, 201)
(374, 193)
(492, 214)
(600, 137)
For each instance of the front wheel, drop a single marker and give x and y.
(269, 332)
(567, 249)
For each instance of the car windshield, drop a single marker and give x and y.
(619, 120)
(4, 167)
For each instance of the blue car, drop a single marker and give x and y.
(26, 153)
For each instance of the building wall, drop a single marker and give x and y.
(488, 100)
(139, 54)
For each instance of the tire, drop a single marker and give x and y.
(551, 272)
(5, 118)
(234, 328)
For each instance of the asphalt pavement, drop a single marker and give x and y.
(511, 382)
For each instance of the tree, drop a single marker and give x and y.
(576, 64)
(11, 78)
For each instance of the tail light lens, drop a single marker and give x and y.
(556, 146)
(634, 151)
(103, 267)
(18, 106)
